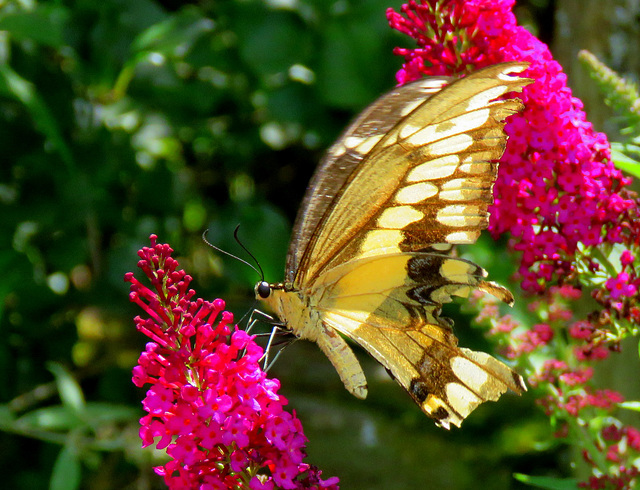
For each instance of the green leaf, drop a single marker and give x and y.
(6, 417)
(548, 482)
(173, 35)
(62, 418)
(16, 87)
(68, 388)
(635, 406)
(66, 470)
(101, 413)
(624, 162)
(45, 24)
(628, 148)
(56, 418)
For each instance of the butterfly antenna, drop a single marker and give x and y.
(235, 235)
(259, 272)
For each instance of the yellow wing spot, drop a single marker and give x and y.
(365, 279)
(368, 143)
(475, 168)
(409, 108)
(506, 74)
(415, 193)
(461, 195)
(379, 240)
(480, 156)
(461, 399)
(455, 126)
(482, 99)
(460, 190)
(353, 141)
(422, 137)
(455, 144)
(469, 373)
(407, 130)
(437, 168)
(443, 294)
(337, 151)
(458, 215)
(463, 236)
(442, 247)
(432, 404)
(437, 408)
(431, 85)
(456, 270)
(399, 217)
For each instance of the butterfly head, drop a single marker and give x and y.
(262, 290)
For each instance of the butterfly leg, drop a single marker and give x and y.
(278, 329)
(252, 320)
(266, 363)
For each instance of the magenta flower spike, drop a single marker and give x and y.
(210, 405)
(557, 189)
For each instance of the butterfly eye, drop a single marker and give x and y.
(263, 289)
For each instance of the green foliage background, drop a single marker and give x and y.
(124, 118)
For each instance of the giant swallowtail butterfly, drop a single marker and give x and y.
(371, 253)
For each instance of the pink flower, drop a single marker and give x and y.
(577, 377)
(581, 330)
(612, 433)
(633, 438)
(619, 286)
(626, 258)
(591, 352)
(210, 405)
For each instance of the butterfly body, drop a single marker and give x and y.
(305, 320)
(371, 257)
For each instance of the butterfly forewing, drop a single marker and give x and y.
(427, 180)
(370, 254)
(349, 151)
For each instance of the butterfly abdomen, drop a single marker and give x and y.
(305, 321)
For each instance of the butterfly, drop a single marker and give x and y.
(371, 256)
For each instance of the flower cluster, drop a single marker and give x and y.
(570, 217)
(557, 189)
(620, 293)
(567, 393)
(618, 444)
(210, 405)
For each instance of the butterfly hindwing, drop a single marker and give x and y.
(396, 317)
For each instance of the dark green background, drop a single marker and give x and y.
(124, 118)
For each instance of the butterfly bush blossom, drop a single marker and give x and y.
(568, 214)
(210, 405)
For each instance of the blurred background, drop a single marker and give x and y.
(125, 118)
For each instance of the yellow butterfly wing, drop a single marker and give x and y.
(369, 257)
(395, 315)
